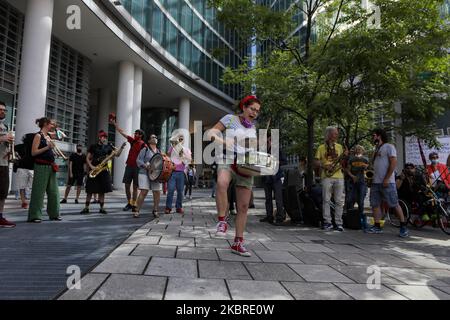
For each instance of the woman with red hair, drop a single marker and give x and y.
(241, 126)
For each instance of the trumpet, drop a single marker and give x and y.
(12, 153)
(56, 151)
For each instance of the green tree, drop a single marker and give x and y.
(353, 71)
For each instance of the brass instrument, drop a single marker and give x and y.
(335, 166)
(102, 166)
(368, 175)
(12, 153)
(56, 151)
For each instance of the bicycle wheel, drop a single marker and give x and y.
(444, 218)
(392, 217)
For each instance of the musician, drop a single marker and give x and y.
(273, 185)
(438, 173)
(241, 126)
(5, 140)
(143, 162)
(77, 170)
(131, 174)
(176, 180)
(330, 155)
(410, 187)
(24, 167)
(44, 180)
(383, 184)
(356, 167)
(189, 177)
(102, 183)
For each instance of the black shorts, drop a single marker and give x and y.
(75, 180)
(4, 182)
(131, 175)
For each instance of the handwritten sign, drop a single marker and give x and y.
(412, 152)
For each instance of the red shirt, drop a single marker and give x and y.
(136, 146)
(444, 175)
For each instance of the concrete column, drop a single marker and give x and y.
(104, 108)
(137, 102)
(124, 114)
(34, 65)
(184, 117)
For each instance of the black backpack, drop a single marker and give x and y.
(26, 159)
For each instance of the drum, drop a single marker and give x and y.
(257, 163)
(161, 168)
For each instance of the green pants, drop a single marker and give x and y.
(44, 181)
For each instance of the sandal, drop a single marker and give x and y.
(136, 215)
(155, 214)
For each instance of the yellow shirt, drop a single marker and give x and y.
(321, 154)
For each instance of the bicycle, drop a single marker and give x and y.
(389, 213)
(436, 207)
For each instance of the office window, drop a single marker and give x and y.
(137, 11)
(157, 25)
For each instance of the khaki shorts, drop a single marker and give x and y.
(146, 184)
(246, 182)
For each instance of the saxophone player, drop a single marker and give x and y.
(102, 183)
(329, 155)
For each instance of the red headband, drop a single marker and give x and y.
(246, 99)
(102, 134)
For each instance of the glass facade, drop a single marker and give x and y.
(189, 31)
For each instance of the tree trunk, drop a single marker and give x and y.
(309, 175)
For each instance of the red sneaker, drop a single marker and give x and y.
(222, 228)
(180, 210)
(238, 248)
(24, 205)
(6, 224)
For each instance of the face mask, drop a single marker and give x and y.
(434, 161)
(79, 150)
(376, 141)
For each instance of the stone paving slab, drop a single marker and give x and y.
(444, 289)
(143, 239)
(223, 270)
(131, 287)
(420, 292)
(277, 256)
(257, 290)
(361, 292)
(124, 249)
(88, 283)
(316, 258)
(272, 272)
(281, 246)
(319, 273)
(411, 276)
(438, 274)
(352, 259)
(197, 253)
(172, 267)
(383, 260)
(227, 255)
(196, 289)
(359, 274)
(154, 251)
(122, 264)
(344, 248)
(315, 291)
(177, 241)
(212, 243)
(313, 247)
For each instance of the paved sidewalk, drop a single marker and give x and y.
(179, 257)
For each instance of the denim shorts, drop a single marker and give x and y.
(378, 194)
(246, 182)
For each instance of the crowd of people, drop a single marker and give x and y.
(341, 171)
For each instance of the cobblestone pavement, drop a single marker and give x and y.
(179, 257)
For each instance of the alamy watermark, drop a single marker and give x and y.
(374, 279)
(74, 279)
(73, 21)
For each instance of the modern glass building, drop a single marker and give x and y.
(156, 64)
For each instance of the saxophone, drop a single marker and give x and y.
(102, 166)
(335, 166)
